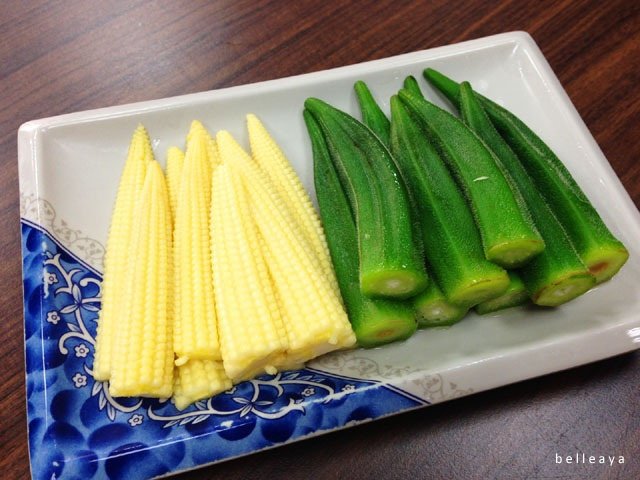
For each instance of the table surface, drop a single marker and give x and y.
(61, 56)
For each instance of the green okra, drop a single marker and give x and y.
(515, 296)
(374, 321)
(599, 249)
(390, 263)
(374, 118)
(432, 306)
(433, 309)
(509, 237)
(372, 115)
(411, 85)
(453, 247)
(558, 274)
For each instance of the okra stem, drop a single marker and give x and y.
(372, 115)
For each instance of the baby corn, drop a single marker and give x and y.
(118, 256)
(175, 161)
(142, 359)
(195, 330)
(252, 335)
(314, 318)
(198, 379)
(223, 264)
(266, 153)
(197, 128)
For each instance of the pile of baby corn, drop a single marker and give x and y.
(216, 271)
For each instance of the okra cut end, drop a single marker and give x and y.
(509, 300)
(563, 290)
(515, 253)
(606, 261)
(439, 314)
(477, 291)
(515, 295)
(393, 283)
(384, 324)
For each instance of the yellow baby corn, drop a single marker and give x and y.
(214, 155)
(118, 251)
(142, 363)
(195, 330)
(268, 155)
(252, 336)
(314, 318)
(198, 379)
(175, 160)
(198, 128)
(315, 325)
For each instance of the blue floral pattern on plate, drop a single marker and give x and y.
(78, 431)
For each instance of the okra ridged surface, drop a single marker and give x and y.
(453, 247)
(374, 118)
(557, 275)
(434, 309)
(515, 295)
(601, 251)
(372, 115)
(432, 306)
(411, 85)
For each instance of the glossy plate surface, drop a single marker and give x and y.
(69, 171)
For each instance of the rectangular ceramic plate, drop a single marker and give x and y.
(69, 170)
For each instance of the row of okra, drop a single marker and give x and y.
(428, 214)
